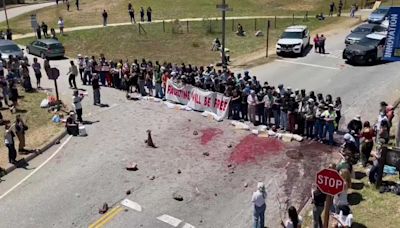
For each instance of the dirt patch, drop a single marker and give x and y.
(209, 134)
(252, 147)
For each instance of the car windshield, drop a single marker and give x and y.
(292, 35)
(381, 11)
(369, 42)
(56, 45)
(9, 48)
(362, 30)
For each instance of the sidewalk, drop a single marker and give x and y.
(22, 9)
(87, 27)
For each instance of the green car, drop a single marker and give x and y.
(46, 48)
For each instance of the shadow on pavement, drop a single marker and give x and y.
(354, 198)
(357, 186)
(358, 225)
(359, 175)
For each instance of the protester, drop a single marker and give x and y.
(96, 90)
(141, 14)
(367, 142)
(81, 63)
(258, 199)
(240, 31)
(321, 44)
(331, 8)
(20, 129)
(44, 29)
(60, 26)
(53, 33)
(216, 45)
(318, 201)
(149, 12)
(68, 5)
(338, 109)
(71, 125)
(9, 142)
(77, 4)
(340, 7)
(76, 100)
(73, 72)
(344, 218)
(131, 12)
(316, 43)
(105, 16)
(252, 102)
(26, 79)
(353, 10)
(87, 71)
(294, 221)
(37, 69)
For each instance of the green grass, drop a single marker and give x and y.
(165, 9)
(41, 129)
(371, 209)
(124, 42)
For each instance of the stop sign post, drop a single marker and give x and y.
(331, 183)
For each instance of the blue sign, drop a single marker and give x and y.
(392, 47)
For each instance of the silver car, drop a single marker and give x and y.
(9, 47)
(379, 15)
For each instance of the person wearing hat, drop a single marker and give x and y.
(281, 90)
(81, 67)
(292, 110)
(258, 199)
(284, 112)
(329, 117)
(319, 123)
(309, 116)
(71, 125)
(354, 127)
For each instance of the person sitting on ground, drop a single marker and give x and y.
(71, 125)
(216, 45)
(240, 31)
(320, 16)
(294, 220)
(344, 219)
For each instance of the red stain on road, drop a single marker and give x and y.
(252, 147)
(209, 134)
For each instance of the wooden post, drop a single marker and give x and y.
(328, 205)
(266, 50)
(233, 25)
(293, 19)
(163, 25)
(140, 32)
(187, 26)
(210, 26)
(275, 23)
(255, 24)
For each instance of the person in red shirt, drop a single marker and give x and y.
(316, 43)
(367, 138)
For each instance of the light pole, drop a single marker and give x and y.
(223, 7)
(5, 12)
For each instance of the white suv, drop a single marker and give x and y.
(295, 39)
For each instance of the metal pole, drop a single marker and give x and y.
(55, 85)
(163, 25)
(187, 26)
(275, 23)
(5, 12)
(268, 26)
(223, 34)
(293, 20)
(233, 25)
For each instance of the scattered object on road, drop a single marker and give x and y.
(152, 177)
(206, 154)
(229, 165)
(132, 205)
(246, 185)
(240, 125)
(215, 194)
(195, 133)
(82, 131)
(179, 171)
(128, 192)
(189, 120)
(132, 167)
(57, 141)
(149, 140)
(255, 132)
(177, 197)
(104, 209)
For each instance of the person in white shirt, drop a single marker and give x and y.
(9, 142)
(294, 220)
(61, 25)
(258, 199)
(252, 103)
(76, 102)
(344, 219)
(73, 72)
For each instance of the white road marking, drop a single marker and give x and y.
(132, 205)
(307, 64)
(187, 225)
(37, 169)
(170, 220)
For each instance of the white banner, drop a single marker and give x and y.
(198, 99)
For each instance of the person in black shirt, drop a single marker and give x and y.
(141, 14)
(149, 12)
(44, 30)
(105, 16)
(318, 200)
(96, 89)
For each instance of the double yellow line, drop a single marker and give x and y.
(107, 217)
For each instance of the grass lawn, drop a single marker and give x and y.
(369, 207)
(91, 10)
(124, 42)
(41, 129)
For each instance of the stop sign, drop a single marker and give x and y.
(330, 182)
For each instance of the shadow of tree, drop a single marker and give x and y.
(354, 198)
(357, 186)
(359, 175)
(358, 225)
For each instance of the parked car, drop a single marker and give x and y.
(294, 40)
(368, 50)
(9, 47)
(379, 15)
(361, 31)
(46, 48)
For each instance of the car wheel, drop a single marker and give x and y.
(42, 55)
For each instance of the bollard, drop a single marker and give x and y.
(163, 25)
(275, 23)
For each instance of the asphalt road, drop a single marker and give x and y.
(72, 180)
(14, 12)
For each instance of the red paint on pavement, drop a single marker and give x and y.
(209, 134)
(252, 147)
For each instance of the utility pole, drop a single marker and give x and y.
(5, 12)
(223, 7)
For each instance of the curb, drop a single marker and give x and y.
(42, 149)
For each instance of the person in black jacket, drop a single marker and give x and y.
(318, 201)
(355, 127)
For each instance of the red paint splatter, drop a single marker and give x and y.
(208, 135)
(252, 147)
